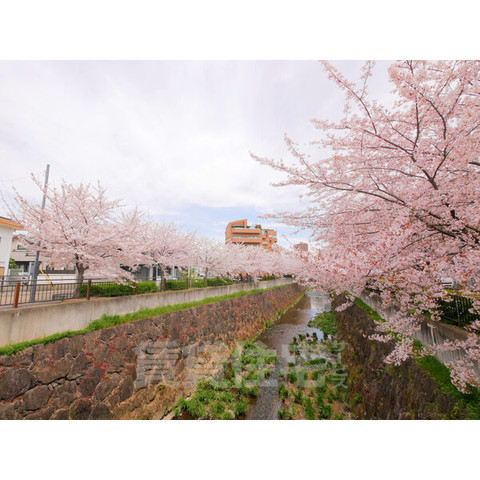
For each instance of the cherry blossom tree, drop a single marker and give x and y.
(233, 258)
(165, 245)
(394, 198)
(284, 262)
(80, 226)
(257, 261)
(210, 256)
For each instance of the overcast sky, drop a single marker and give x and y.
(171, 137)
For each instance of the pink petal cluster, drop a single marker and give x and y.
(81, 227)
(393, 193)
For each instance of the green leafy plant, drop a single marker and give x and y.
(282, 391)
(309, 410)
(284, 414)
(326, 322)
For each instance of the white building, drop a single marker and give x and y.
(7, 227)
(23, 257)
(25, 260)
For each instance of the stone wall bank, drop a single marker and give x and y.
(135, 370)
(40, 320)
(382, 391)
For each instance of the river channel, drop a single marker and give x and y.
(291, 324)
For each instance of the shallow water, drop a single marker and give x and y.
(291, 324)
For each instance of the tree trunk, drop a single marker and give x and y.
(163, 282)
(78, 286)
(205, 279)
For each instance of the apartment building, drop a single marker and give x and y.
(240, 232)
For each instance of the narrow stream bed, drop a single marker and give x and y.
(277, 338)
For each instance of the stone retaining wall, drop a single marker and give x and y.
(385, 391)
(40, 320)
(135, 370)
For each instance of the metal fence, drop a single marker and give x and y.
(14, 292)
(456, 311)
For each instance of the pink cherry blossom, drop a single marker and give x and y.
(394, 195)
(80, 226)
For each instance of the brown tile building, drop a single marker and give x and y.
(240, 232)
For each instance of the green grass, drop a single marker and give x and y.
(196, 283)
(107, 321)
(469, 402)
(326, 322)
(228, 399)
(310, 388)
(309, 410)
(284, 414)
(18, 347)
(369, 310)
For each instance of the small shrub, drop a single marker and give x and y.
(298, 397)
(321, 389)
(176, 285)
(326, 322)
(282, 392)
(301, 378)
(240, 407)
(309, 410)
(217, 409)
(195, 408)
(331, 396)
(317, 361)
(356, 398)
(146, 287)
(284, 414)
(271, 359)
(219, 282)
(268, 277)
(324, 412)
(292, 377)
(227, 397)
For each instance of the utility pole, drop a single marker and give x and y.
(37, 254)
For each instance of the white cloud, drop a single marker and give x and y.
(164, 136)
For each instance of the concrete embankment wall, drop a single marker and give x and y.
(134, 370)
(38, 321)
(430, 333)
(385, 391)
